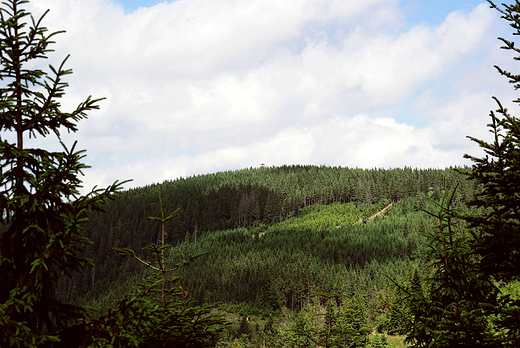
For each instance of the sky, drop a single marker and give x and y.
(201, 86)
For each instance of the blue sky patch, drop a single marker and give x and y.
(416, 11)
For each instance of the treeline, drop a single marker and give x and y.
(250, 200)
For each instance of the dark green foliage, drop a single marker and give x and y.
(397, 318)
(307, 244)
(378, 341)
(336, 326)
(459, 303)
(160, 315)
(497, 234)
(244, 329)
(275, 237)
(139, 322)
(416, 310)
(41, 219)
(266, 268)
(269, 325)
(452, 308)
(41, 210)
(292, 259)
(495, 229)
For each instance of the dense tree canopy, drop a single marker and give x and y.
(126, 224)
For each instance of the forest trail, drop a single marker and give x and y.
(376, 214)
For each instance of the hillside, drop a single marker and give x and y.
(273, 235)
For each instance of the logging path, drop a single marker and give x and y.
(376, 214)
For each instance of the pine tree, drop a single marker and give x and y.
(41, 208)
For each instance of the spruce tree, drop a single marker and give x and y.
(42, 212)
(160, 315)
(455, 305)
(41, 208)
(463, 306)
(495, 226)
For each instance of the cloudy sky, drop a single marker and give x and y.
(200, 86)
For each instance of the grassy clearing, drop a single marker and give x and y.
(396, 341)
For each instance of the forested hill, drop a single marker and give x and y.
(245, 198)
(268, 194)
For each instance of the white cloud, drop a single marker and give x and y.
(208, 85)
(358, 141)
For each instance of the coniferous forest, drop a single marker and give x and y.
(290, 256)
(293, 231)
(266, 230)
